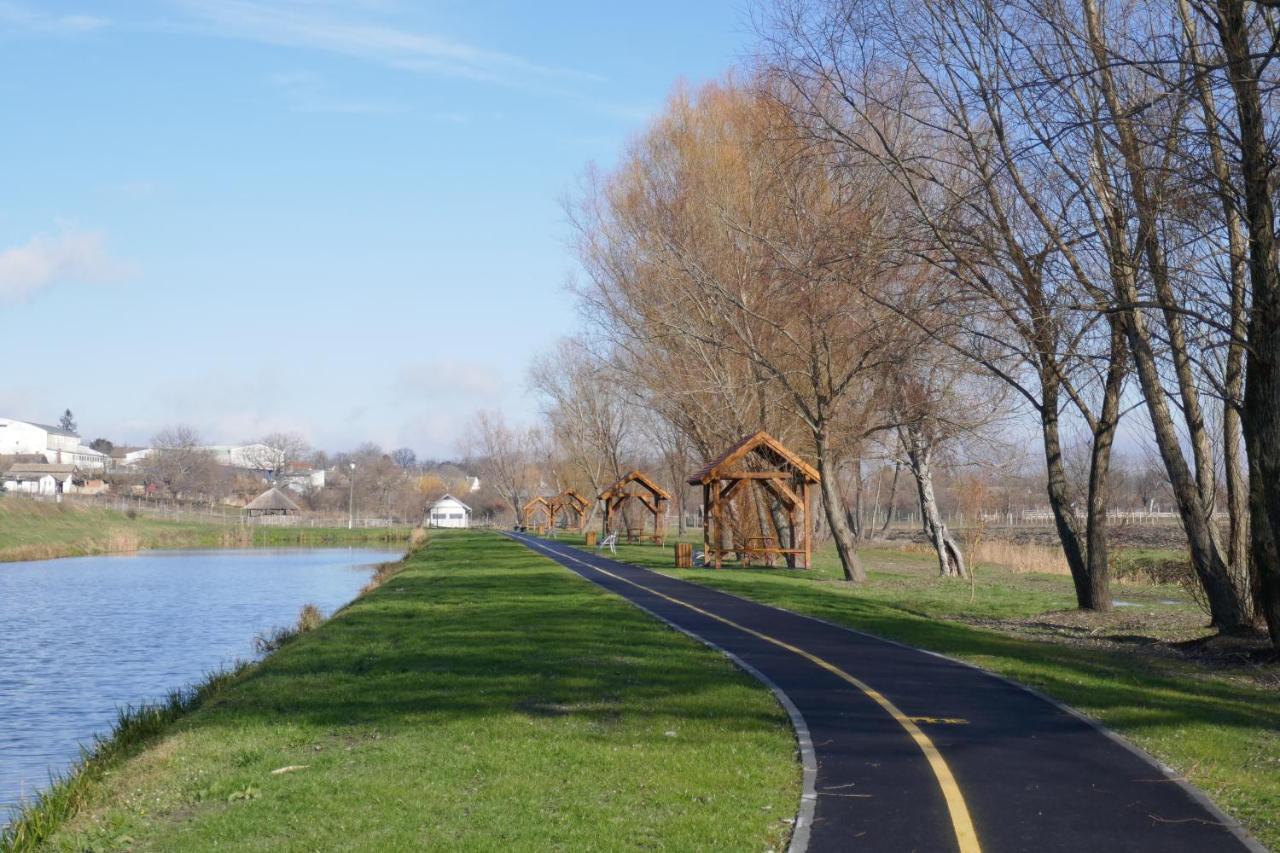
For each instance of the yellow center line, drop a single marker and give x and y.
(961, 822)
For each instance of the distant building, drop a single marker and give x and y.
(40, 478)
(272, 502)
(299, 477)
(448, 512)
(58, 446)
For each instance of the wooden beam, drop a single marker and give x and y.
(784, 493)
(728, 490)
(757, 475)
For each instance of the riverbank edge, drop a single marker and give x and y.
(138, 728)
(212, 538)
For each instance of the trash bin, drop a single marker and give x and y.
(684, 555)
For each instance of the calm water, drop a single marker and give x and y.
(84, 636)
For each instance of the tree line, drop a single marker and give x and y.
(904, 223)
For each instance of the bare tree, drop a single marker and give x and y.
(503, 457)
(587, 418)
(923, 90)
(179, 466)
(276, 452)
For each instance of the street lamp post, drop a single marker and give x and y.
(351, 498)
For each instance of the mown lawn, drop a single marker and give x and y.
(1222, 734)
(482, 698)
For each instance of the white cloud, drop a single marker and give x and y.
(309, 26)
(70, 256)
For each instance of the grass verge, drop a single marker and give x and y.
(32, 530)
(1221, 733)
(481, 698)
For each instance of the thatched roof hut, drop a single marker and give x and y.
(272, 502)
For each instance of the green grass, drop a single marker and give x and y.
(31, 530)
(1222, 734)
(482, 698)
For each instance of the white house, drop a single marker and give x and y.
(40, 479)
(448, 512)
(57, 445)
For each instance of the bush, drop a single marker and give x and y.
(309, 618)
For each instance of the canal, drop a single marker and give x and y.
(82, 637)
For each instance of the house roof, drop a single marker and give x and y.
(52, 430)
(451, 498)
(35, 470)
(636, 477)
(273, 499)
(762, 443)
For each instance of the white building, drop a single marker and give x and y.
(40, 479)
(254, 457)
(58, 446)
(301, 478)
(448, 512)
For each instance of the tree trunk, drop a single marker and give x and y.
(1095, 586)
(893, 495)
(1226, 587)
(846, 547)
(1064, 516)
(1261, 414)
(920, 458)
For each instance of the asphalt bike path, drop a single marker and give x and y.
(909, 751)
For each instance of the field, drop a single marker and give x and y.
(32, 530)
(1141, 670)
(481, 698)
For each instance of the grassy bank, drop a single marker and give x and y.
(482, 698)
(32, 530)
(1220, 729)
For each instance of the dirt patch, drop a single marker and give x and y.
(1166, 633)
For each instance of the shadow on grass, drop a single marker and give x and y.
(1131, 693)
(498, 629)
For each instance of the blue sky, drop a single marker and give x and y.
(340, 217)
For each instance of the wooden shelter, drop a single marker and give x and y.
(650, 494)
(760, 459)
(538, 504)
(272, 502)
(569, 502)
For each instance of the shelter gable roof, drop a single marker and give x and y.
(636, 477)
(760, 442)
(273, 499)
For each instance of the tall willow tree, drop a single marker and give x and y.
(725, 240)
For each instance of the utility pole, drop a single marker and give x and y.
(351, 498)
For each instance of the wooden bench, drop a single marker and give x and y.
(747, 552)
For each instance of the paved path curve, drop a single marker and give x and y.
(909, 751)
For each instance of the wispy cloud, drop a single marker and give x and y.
(344, 28)
(446, 377)
(47, 260)
(305, 93)
(21, 17)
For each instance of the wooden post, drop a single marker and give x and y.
(707, 523)
(808, 525)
